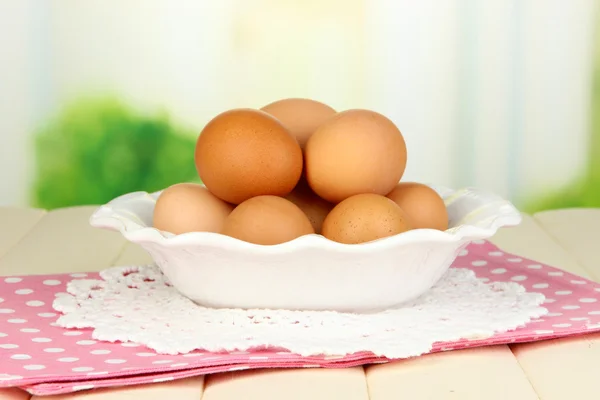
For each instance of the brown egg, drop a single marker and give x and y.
(267, 220)
(354, 152)
(301, 116)
(189, 207)
(244, 153)
(425, 207)
(363, 218)
(315, 208)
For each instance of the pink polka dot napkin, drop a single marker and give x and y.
(44, 359)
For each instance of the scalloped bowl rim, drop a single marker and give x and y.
(104, 217)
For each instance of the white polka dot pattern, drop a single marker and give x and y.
(39, 353)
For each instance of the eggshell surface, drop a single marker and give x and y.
(267, 220)
(355, 152)
(189, 207)
(244, 153)
(426, 208)
(364, 218)
(301, 116)
(315, 208)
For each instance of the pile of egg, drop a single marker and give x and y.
(297, 167)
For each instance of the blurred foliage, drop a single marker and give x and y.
(96, 150)
(586, 191)
(583, 194)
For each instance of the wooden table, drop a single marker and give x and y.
(35, 242)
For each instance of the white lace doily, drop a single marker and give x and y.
(137, 304)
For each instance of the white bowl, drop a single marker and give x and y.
(310, 272)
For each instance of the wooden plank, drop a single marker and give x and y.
(490, 373)
(288, 384)
(566, 368)
(531, 240)
(14, 394)
(14, 224)
(563, 368)
(181, 389)
(133, 254)
(533, 357)
(62, 241)
(440, 375)
(578, 231)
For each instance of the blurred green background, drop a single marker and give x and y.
(98, 149)
(585, 190)
(109, 97)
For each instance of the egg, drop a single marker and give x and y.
(355, 152)
(267, 220)
(315, 208)
(365, 217)
(301, 116)
(189, 207)
(424, 205)
(243, 153)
